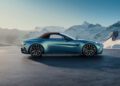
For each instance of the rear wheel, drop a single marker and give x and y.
(36, 50)
(89, 50)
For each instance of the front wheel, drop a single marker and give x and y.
(89, 50)
(36, 50)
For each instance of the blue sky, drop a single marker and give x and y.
(27, 14)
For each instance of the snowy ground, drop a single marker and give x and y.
(4, 44)
(112, 44)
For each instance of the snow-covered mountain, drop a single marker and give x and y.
(85, 31)
(110, 43)
(105, 34)
(113, 41)
(95, 32)
(114, 27)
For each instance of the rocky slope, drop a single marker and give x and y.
(85, 31)
(113, 41)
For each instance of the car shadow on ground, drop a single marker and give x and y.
(100, 62)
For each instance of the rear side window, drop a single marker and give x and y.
(55, 36)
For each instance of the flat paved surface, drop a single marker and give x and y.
(17, 69)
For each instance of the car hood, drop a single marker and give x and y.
(33, 39)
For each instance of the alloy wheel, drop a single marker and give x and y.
(36, 50)
(89, 50)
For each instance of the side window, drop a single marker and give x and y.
(55, 36)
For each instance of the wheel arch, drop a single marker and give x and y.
(38, 44)
(91, 44)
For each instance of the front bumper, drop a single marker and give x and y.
(23, 50)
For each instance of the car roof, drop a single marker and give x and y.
(46, 35)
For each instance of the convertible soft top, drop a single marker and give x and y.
(47, 35)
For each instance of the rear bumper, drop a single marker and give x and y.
(24, 51)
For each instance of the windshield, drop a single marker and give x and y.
(68, 36)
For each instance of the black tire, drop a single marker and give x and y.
(36, 50)
(89, 50)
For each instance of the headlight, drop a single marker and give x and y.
(23, 43)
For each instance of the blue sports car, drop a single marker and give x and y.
(58, 43)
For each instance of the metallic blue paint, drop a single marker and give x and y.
(60, 46)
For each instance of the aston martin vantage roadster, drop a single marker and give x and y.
(59, 43)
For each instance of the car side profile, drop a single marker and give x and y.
(58, 43)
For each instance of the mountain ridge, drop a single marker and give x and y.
(88, 31)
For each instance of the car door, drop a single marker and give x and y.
(58, 44)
